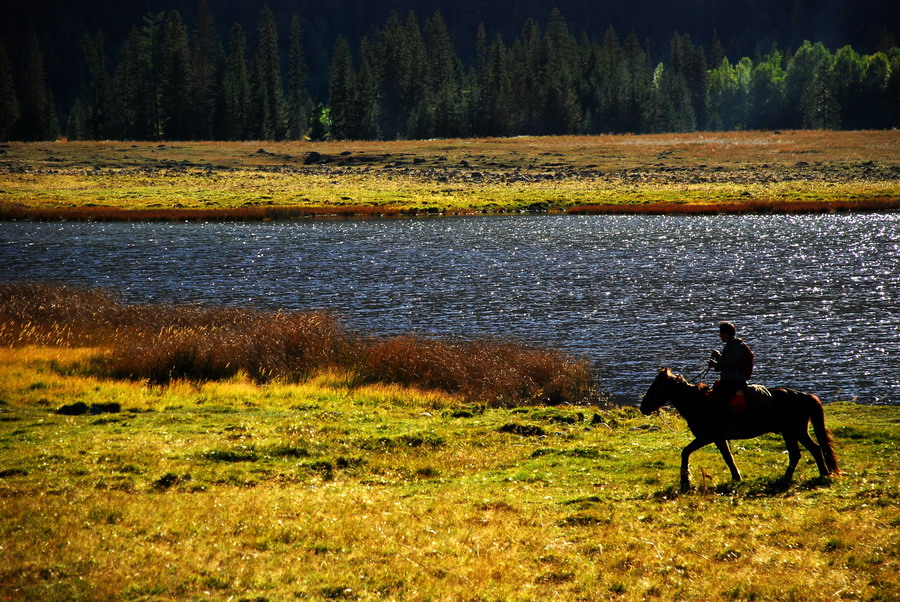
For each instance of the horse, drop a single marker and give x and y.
(786, 411)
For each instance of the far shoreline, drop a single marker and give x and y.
(700, 173)
(288, 213)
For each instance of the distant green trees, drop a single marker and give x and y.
(407, 80)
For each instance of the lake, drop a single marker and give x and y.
(816, 296)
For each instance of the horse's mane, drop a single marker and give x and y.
(680, 380)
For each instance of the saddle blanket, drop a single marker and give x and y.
(753, 393)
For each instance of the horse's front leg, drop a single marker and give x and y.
(685, 457)
(729, 459)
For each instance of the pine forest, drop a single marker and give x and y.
(173, 80)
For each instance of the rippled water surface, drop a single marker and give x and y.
(817, 297)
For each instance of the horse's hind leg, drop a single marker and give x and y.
(793, 456)
(816, 452)
(729, 459)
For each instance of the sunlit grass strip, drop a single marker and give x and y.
(418, 198)
(159, 344)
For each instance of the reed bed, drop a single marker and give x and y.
(162, 343)
(508, 373)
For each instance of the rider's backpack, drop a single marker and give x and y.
(747, 358)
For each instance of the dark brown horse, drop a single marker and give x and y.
(787, 412)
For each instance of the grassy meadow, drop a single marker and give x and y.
(317, 490)
(734, 172)
(338, 482)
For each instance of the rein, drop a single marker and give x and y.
(699, 376)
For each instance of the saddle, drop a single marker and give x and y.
(752, 395)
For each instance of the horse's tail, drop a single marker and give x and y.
(823, 435)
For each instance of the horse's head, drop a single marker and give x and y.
(658, 393)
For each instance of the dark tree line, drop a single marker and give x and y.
(406, 80)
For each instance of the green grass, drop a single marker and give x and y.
(314, 490)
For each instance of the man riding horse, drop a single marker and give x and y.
(735, 363)
(779, 410)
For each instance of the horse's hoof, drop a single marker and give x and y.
(785, 481)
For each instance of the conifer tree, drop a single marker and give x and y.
(38, 120)
(601, 85)
(76, 124)
(153, 32)
(270, 116)
(481, 50)
(342, 92)
(670, 108)
(298, 97)
(175, 97)
(716, 50)
(497, 93)
(689, 63)
(133, 85)
(236, 84)
(390, 48)
(365, 96)
(639, 87)
(561, 113)
(413, 75)
(220, 124)
(476, 116)
(203, 66)
(99, 95)
(9, 104)
(441, 107)
(526, 77)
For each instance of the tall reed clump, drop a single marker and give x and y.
(57, 316)
(220, 343)
(502, 373)
(161, 343)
